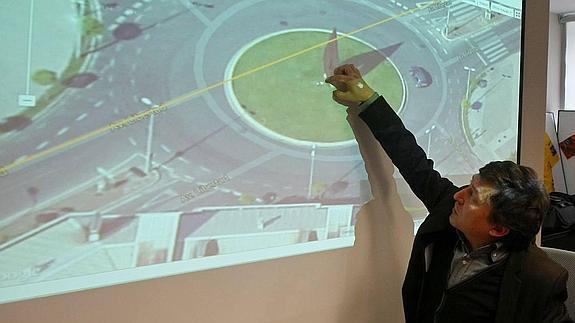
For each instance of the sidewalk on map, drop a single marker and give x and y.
(55, 37)
(492, 117)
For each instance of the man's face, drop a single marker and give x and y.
(471, 213)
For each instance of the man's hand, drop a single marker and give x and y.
(351, 88)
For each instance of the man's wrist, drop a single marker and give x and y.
(363, 105)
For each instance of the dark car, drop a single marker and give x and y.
(421, 76)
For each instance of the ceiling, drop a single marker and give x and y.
(562, 6)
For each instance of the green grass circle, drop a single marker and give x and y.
(289, 98)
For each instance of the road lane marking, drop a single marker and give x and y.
(120, 19)
(42, 145)
(184, 160)
(63, 131)
(82, 116)
(165, 148)
(204, 19)
(482, 59)
(497, 57)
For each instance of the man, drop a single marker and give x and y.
(474, 257)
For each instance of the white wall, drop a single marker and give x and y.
(570, 66)
(555, 66)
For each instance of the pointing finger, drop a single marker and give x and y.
(339, 81)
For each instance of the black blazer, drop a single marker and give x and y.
(533, 288)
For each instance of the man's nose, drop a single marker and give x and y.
(459, 196)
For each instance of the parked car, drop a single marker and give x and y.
(421, 76)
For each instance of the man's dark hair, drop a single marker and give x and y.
(519, 201)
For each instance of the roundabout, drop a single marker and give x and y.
(290, 102)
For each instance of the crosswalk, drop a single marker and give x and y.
(490, 46)
(460, 11)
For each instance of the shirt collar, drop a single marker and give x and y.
(492, 252)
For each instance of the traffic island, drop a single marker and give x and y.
(288, 99)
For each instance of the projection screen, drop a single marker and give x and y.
(147, 138)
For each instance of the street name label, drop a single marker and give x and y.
(25, 100)
(511, 8)
(485, 4)
(515, 4)
(503, 10)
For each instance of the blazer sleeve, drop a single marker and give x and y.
(402, 148)
(555, 311)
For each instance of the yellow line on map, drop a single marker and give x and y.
(185, 97)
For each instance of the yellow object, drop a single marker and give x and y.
(357, 92)
(550, 152)
(551, 159)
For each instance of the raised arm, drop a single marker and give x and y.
(398, 142)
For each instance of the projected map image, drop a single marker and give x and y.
(192, 135)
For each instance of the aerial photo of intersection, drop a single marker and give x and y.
(154, 131)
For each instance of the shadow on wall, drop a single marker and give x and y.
(384, 237)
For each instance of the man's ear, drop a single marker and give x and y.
(498, 231)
